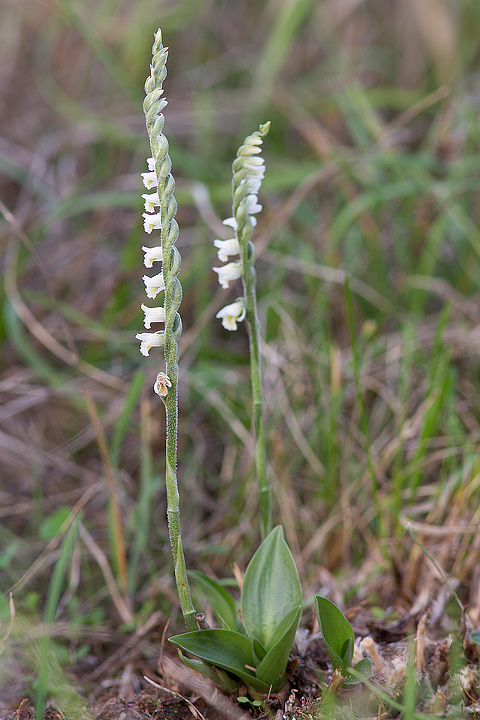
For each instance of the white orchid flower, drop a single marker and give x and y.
(151, 201)
(232, 314)
(152, 222)
(149, 340)
(153, 315)
(150, 180)
(229, 272)
(227, 248)
(152, 255)
(154, 285)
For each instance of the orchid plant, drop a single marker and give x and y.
(160, 210)
(255, 649)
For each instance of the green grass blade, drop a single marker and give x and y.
(53, 598)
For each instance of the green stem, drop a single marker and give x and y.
(247, 175)
(253, 324)
(153, 105)
(173, 500)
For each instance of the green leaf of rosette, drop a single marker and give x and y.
(271, 589)
(226, 649)
(219, 676)
(337, 632)
(258, 651)
(273, 666)
(364, 668)
(220, 599)
(475, 637)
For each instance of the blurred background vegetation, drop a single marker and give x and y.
(373, 171)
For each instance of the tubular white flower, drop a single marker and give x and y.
(149, 340)
(153, 285)
(253, 162)
(161, 384)
(152, 255)
(152, 222)
(227, 248)
(153, 315)
(229, 272)
(231, 314)
(252, 205)
(151, 201)
(231, 222)
(253, 184)
(151, 164)
(150, 180)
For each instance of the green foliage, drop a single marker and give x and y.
(220, 599)
(475, 637)
(373, 172)
(52, 524)
(53, 598)
(338, 635)
(271, 603)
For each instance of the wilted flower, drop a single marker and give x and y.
(162, 383)
(227, 248)
(153, 285)
(231, 314)
(152, 255)
(229, 272)
(149, 340)
(153, 315)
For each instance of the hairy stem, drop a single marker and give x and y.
(153, 105)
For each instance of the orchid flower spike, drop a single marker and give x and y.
(160, 210)
(248, 173)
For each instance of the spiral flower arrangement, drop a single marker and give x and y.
(160, 211)
(248, 173)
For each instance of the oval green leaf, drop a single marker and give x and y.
(226, 649)
(272, 668)
(271, 589)
(337, 632)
